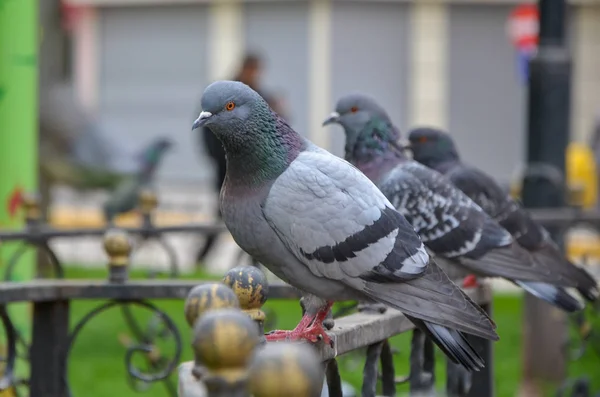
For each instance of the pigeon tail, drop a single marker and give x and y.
(576, 276)
(587, 285)
(590, 291)
(453, 343)
(433, 298)
(579, 277)
(556, 296)
(511, 262)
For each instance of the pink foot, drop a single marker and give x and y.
(310, 328)
(470, 281)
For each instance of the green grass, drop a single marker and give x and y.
(97, 364)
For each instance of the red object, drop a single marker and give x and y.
(309, 328)
(523, 26)
(14, 201)
(69, 15)
(470, 281)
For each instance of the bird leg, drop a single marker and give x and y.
(470, 281)
(309, 328)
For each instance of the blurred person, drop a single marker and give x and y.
(249, 73)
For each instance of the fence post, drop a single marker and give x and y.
(200, 300)
(224, 341)
(49, 345)
(250, 285)
(548, 136)
(285, 369)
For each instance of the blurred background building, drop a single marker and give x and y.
(140, 67)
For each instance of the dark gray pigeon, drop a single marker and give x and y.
(321, 225)
(435, 148)
(450, 224)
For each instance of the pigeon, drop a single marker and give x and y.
(452, 226)
(435, 148)
(125, 197)
(321, 225)
(75, 149)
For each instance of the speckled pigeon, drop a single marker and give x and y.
(125, 196)
(321, 225)
(436, 149)
(450, 224)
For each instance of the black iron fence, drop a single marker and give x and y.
(355, 327)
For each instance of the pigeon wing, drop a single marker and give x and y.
(336, 222)
(448, 221)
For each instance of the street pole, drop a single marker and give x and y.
(548, 136)
(18, 130)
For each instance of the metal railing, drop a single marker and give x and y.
(356, 327)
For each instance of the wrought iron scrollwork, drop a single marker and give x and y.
(159, 366)
(41, 245)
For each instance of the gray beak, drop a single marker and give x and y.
(332, 118)
(405, 144)
(201, 120)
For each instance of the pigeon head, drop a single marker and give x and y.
(154, 152)
(366, 125)
(255, 139)
(431, 146)
(227, 106)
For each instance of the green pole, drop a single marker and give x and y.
(19, 35)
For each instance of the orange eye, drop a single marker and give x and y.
(423, 139)
(354, 109)
(230, 106)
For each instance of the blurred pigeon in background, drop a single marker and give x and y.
(75, 149)
(450, 224)
(436, 149)
(126, 196)
(318, 223)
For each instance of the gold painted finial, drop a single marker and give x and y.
(118, 247)
(224, 341)
(250, 285)
(205, 297)
(31, 205)
(285, 369)
(148, 201)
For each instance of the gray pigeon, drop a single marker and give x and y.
(436, 149)
(125, 197)
(450, 224)
(321, 225)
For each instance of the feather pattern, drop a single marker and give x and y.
(366, 238)
(449, 223)
(436, 149)
(528, 233)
